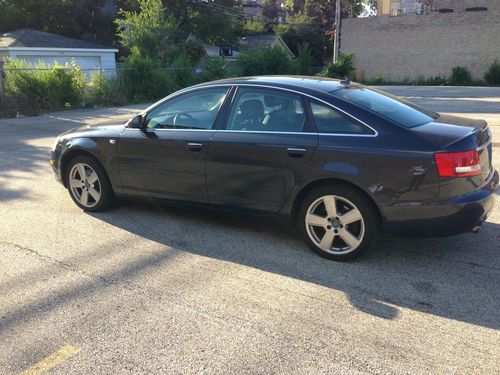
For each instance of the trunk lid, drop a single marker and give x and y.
(453, 134)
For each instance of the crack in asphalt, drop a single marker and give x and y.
(59, 262)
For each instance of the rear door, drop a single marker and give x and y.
(167, 159)
(262, 152)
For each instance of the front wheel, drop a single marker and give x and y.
(88, 184)
(338, 222)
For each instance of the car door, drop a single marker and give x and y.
(267, 142)
(166, 158)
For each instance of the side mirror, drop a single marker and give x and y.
(136, 122)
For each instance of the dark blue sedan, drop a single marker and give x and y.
(343, 160)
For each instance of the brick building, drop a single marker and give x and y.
(403, 45)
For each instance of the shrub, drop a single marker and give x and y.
(305, 59)
(377, 80)
(66, 86)
(31, 89)
(492, 76)
(98, 90)
(436, 81)
(180, 71)
(341, 69)
(215, 68)
(460, 75)
(141, 79)
(266, 60)
(104, 91)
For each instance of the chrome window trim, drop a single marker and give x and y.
(265, 132)
(254, 132)
(324, 102)
(482, 147)
(189, 89)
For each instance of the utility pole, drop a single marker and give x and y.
(337, 32)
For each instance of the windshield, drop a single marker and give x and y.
(389, 106)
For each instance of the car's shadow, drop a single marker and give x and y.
(456, 278)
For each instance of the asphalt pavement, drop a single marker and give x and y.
(143, 289)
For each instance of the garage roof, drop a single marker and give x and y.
(39, 39)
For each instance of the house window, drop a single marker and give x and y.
(226, 51)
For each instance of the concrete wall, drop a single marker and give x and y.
(387, 7)
(411, 46)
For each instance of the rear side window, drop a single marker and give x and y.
(328, 120)
(266, 110)
(391, 107)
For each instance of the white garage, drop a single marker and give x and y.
(35, 46)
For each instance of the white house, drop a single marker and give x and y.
(34, 46)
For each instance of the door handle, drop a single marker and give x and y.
(296, 152)
(195, 147)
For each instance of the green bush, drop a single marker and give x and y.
(266, 60)
(305, 59)
(215, 68)
(141, 79)
(376, 80)
(32, 89)
(341, 69)
(436, 81)
(460, 75)
(181, 72)
(102, 91)
(98, 90)
(492, 76)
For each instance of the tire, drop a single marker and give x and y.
(92, 192)
(329, 232)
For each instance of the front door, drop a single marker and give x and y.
(167, 158)
(263, 151)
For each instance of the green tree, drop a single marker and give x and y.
(148, 33)
(82, 19)
(213, 25)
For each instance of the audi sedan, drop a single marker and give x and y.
(343, 160)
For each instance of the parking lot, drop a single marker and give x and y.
(159, 289)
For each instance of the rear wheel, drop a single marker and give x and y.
(338, 222)
(88, 184)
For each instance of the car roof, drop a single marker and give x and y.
(318, 84)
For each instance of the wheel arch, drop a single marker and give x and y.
(70, 155)
(299, 197)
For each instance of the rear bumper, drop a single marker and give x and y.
(443, 218)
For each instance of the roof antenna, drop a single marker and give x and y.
(345, 82)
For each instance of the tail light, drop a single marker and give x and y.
(458, 164)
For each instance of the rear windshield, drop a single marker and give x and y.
(391, 107)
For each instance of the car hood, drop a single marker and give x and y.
(108, 130)
(447, 130)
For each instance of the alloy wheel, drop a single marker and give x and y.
(84, 185)
(334, 224)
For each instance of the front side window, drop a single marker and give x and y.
(392, 108)
(256, 109)
(194, 110)
(328, 120)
